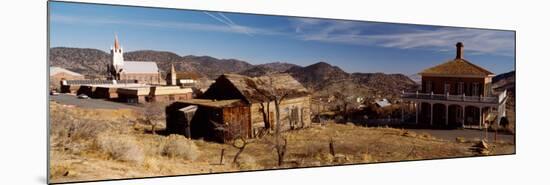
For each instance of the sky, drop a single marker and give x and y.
(354, 46)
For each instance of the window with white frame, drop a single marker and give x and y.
(428, 86)
(475, 89)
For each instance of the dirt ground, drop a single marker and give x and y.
(79, 151)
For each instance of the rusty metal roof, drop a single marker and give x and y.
(457, 67)
(213, 103)
(250, 87)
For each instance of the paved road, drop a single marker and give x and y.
(468, 134)
(69, 99)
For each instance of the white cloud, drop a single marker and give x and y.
(227, 28)
(225, 20)
(477, 41)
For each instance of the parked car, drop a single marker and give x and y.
(54, 93)
(83, 96)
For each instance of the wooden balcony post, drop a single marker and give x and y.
(447, 113)
(431, 112)
(416, 108)
(402, 113)
(480, 117)
(463, 115)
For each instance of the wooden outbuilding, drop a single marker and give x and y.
(237, 105)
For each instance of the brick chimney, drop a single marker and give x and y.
(459, 50)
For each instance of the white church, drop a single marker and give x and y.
(146, 72)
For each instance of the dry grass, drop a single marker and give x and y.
(121, 147)
(179, 146)
(107, 145)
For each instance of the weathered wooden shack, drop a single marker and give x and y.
(243, 106)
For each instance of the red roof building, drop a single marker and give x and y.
(457, 93)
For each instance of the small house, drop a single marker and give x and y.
(236, 105)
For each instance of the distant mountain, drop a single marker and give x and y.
(317, 75)
(394, 83)
(263, 69)
(505, 81)
(209, 66)
(325, 78)
(416, 78)
(90, 62)
(93, 62)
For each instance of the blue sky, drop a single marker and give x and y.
(354, 46)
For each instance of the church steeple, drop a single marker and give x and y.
(117, 45)
(173, 75)
(117, 58)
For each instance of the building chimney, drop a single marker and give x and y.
(459, 50)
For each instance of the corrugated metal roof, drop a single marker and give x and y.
(213, 103)
(383, 103)
(56, 70)
(248, 86)
(140, 67)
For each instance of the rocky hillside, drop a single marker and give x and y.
(505, 81)
(324, 78)
(317, 75)
(92, 62)
(394, 83)
(262, 69)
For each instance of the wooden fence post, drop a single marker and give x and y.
(331, 147)
(221, 156)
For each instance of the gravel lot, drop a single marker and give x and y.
(69, 99)
(469, 134)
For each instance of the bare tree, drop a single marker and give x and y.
(232, 132)
(239, 143)
(344, 102)
(270, 92)
(153, 113)
(265, 114)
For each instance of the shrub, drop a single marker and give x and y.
(73, 135)
(67, 127)
(246, 162)
(460, 140)
(121, 147)
(179, 146)
(324, 158)
(367, 158)
(58, 170)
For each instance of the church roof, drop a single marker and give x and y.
(140, 67)
(56, 70)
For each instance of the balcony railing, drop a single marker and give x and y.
(447, 97)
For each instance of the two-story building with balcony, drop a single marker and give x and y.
(457, 93)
